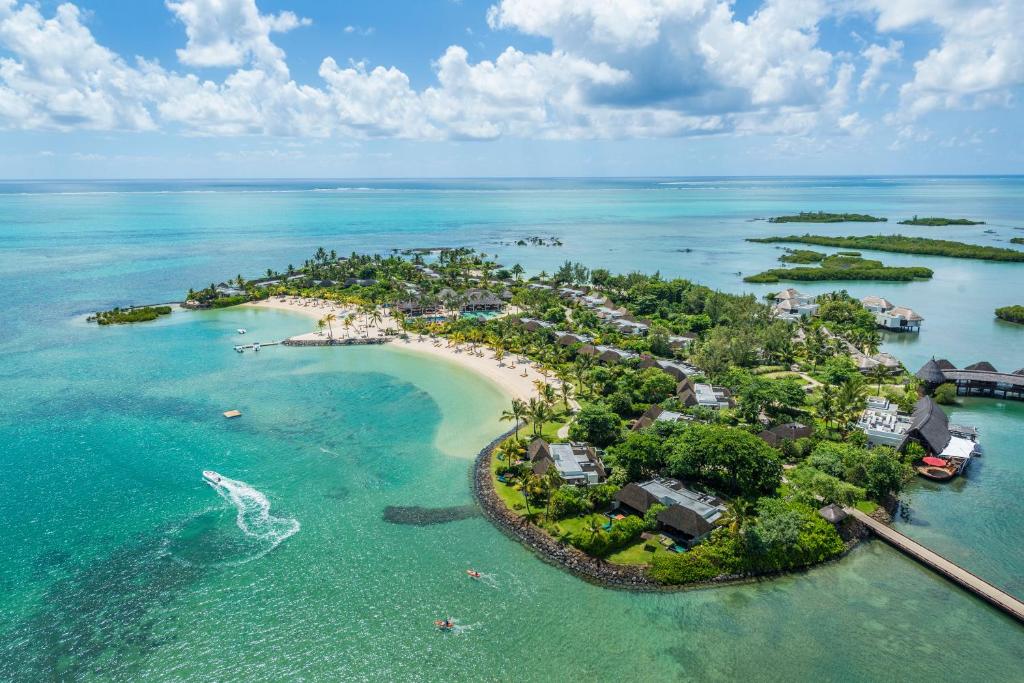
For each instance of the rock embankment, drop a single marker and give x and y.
(550, 550)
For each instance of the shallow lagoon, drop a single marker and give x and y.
(120, 563)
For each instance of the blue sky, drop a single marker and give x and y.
(240, 88)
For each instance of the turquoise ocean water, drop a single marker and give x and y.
(119, 563)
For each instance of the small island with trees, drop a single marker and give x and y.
(824, 217)
(901, 244)
(125, 316)
(1017, 240)
(939, 221)
(1011, 314)
(838, 267)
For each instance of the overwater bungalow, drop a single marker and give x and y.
(891, 317)
(979, 379)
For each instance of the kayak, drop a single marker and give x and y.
(473, 573)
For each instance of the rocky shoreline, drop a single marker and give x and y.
(576, 562)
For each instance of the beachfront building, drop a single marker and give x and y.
(977, 379)
(481, 300)
(225, 289)
(928, 426)
(688, 515)
(627, 325)
(793, 305)
(577, 463)
(890, 317)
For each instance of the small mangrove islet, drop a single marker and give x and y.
(901, 244)
(824, 217)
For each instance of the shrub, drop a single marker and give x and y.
(946, 394)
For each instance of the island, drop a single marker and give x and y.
(650, 420)
(838, 267)
(1017, 240)
(124, 316)
(901, 244)
(938, 221)
(1011, 314)
(824, 217)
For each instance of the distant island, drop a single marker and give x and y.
(1011, 314)
(535, 241)
(838, 267)
(1017, 240)
(823, 217)
(124, 316)
(937, 221)
(901, 244)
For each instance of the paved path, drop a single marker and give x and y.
(975, 584)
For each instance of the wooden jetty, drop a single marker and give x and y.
(937, 563)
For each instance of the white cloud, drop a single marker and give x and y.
(226, 33)
(616, 68)
(980, 57)
(878, 57)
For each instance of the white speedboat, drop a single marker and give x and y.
(212, 477)
(240, 330)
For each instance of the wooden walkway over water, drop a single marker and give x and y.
(965, 579)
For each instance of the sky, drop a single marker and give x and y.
(464, 88)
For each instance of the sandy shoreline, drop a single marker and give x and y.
(514, 378)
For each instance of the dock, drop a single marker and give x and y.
(940, 565)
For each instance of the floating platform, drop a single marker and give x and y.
(232, 413)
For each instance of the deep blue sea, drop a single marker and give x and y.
(121, 564)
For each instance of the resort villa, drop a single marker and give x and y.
(891, 317)
(793, 305)
(689, 514)
(658, 414)
(789, 431)
(883, 424)
(577, 463)
(704, 395)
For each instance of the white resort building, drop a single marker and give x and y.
(793, 305)
(892, 317)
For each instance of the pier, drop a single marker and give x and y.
(937, 563)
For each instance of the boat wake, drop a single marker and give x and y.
(207, 539)
(253, 512)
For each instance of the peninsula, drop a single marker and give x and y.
(651, 419)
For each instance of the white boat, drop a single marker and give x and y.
(240, 349)
(212, 477)
(240, 330)
(256, 346)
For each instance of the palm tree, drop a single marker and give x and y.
(529, 485)
(517, 271)
(850, 402)
(347, 323)
(516, 414)
(539, 413)
(565, 389)
(320, 325)
(552, 480)
(375, 317)
(328, 319)
(546, 392)
(879, 373)
(594, 526)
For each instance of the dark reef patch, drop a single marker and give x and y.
(415, 515)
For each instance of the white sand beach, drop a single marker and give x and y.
(513, 376)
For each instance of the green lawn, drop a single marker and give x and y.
(635, 554)
(866, 506)
(513, 499)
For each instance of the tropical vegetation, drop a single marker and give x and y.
(824, 217)
(938, 221)
(1011, 314)
(123, 316)
(838, 267)
(902, 244)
